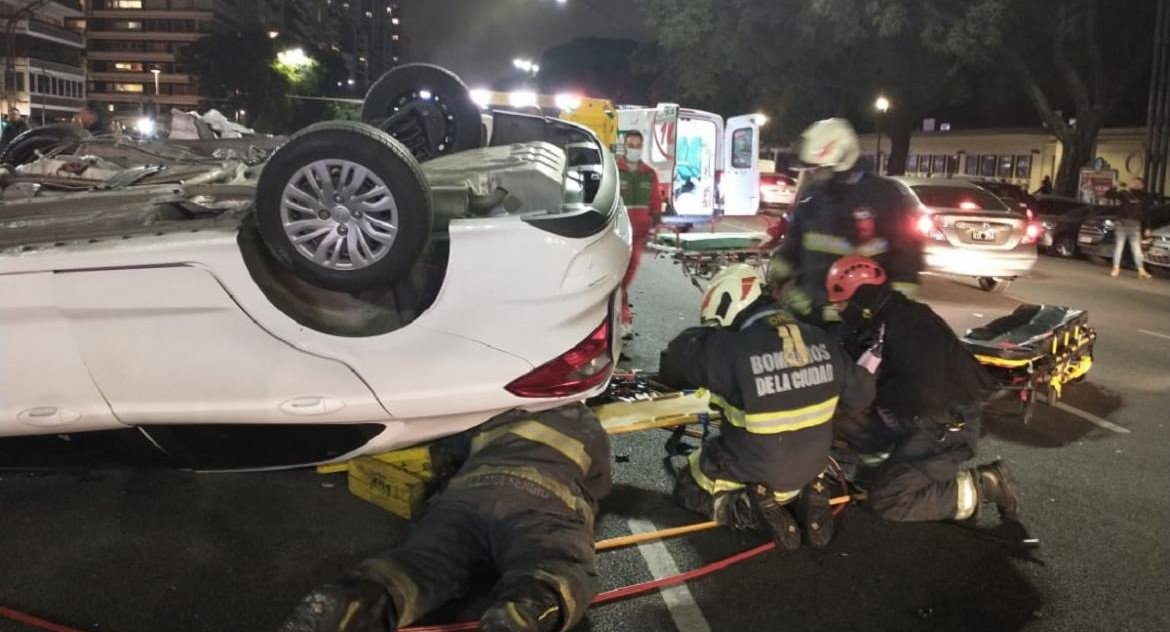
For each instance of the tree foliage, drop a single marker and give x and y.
(1078, 57)
(594, 66)
(239, 71)
(802, 61)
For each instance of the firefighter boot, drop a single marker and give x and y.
(349, 605)
(815, 514)
(775, 517)
(996, 485)
(526, 606)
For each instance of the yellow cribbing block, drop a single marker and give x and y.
(388, 486)
(617, 416)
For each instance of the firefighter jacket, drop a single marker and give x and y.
(926, 372)
(561, 453)
(778, 383)
(872, 217)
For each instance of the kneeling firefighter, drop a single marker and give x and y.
(524, 501)
(777, 383)
(842, 209)
(926, 418)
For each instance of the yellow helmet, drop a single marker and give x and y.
(830, 143)
(732, 290)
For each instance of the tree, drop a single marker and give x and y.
(1066, 55)
(22, 12)
(237, 71)
(801, 61)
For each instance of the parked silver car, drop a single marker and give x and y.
(970, 232)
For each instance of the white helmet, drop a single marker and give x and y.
(732, 290)
(830, 143)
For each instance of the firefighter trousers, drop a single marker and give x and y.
(921, 479)
(523, 536)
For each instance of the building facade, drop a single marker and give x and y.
(135, 51)
(1020, 156)
(45, 78)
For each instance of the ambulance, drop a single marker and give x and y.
(707, 166)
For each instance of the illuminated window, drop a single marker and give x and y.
(369, 14)
(127, 26)
(395, 37)
(128, 87)
(394, 21)
(128, 66)
(125, 4)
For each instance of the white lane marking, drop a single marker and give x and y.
(1154, 333)
(1087, 416)
(679, 600)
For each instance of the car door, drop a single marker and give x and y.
(741, 166)
(169, 345)
(45, 387)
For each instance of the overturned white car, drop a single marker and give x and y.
(351, 290)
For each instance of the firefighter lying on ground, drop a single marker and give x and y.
(524, 501)
(842, 209)
(777, 383)
(926, 418)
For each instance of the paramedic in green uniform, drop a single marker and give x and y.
(643, 198)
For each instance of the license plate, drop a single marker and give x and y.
(983, 235)
(1158, 253)
(1085, 239)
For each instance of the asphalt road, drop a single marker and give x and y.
(123, 550)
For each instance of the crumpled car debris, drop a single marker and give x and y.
(211, 124)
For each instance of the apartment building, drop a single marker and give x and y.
(135, 48)
(45, 79)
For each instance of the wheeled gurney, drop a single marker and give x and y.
(1035, 351)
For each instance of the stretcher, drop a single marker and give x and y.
(1035, 351)
(702, 254)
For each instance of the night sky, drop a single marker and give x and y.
(479, 38)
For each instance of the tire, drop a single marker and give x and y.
(1064, 246)
(24, 148)
(446, 122)
(293, 201)
(994, 284)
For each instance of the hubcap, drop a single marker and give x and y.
(339, 214)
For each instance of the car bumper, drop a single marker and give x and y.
(974, 262)
(1158, 256)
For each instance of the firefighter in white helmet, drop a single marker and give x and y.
(842, 209)
(777, 383)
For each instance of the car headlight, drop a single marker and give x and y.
(1107, 224)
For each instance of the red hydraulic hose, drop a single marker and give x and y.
(628, 591)
(33, 622)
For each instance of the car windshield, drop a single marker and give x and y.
(963, 198)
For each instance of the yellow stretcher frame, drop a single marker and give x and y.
(1070, 357)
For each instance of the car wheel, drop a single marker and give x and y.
(24, 148)
(344, 206)
(428, 108)
(994, 284)
(1065, 246)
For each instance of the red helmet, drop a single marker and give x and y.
(849, 273)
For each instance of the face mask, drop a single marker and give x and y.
(633, 156)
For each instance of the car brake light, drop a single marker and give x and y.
(577, 370)
(968, 205)
(1032, 233)
(928, 228)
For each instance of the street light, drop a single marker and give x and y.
(526, 65)
(883, 105)
(293, 58)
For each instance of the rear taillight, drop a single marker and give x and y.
(1028, 212)
(1032, 233)
(927, 227)
(577, 370)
